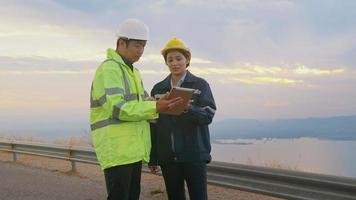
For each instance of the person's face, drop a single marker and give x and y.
(177, 63)
(134, 50)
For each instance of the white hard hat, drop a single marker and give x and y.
(133, 29)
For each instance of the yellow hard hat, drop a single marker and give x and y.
(177, 44)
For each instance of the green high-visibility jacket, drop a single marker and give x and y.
(119, 110)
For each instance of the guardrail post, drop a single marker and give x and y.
(73, 163)
(74, 166)
(14, 156)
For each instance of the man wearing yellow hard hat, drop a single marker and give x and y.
(119, 110)
(181, 144)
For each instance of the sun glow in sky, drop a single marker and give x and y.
(263, 59)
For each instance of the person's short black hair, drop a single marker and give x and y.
(126, 40)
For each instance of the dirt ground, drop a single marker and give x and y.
(152, 186)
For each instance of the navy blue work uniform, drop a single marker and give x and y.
(181, 144)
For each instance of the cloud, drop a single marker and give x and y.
(270, 39)
(154, 72)
(157, 58)
(48, 72)
(52, 41)
(245, 31)
(196, 60)
(235, 4)
(41, 32)
(267, 80)
(250, 69)
(236, 70)
(303, 70)
(35, 63)
(276, 104)
(152, 65)
(233, 43)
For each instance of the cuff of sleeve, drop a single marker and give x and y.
(152, 104)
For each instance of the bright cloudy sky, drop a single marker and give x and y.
(264, 59)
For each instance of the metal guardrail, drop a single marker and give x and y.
(274, 182)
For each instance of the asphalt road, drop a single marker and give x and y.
(24, 182)
(20, 182)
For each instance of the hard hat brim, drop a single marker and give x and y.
(165, 51)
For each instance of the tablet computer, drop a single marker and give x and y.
(185, 94)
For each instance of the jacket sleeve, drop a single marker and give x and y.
(119, 105)
(203, 112)
(153, 154)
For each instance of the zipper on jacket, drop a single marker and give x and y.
(172, 141)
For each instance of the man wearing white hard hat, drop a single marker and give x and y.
(119, 110)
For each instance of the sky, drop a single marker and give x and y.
(263, 59)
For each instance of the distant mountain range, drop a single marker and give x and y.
(342, 127)
(47, 127)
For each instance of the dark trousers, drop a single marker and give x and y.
(194, 174)
(123, 182)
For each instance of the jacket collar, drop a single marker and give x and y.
(189, 77)
(127, 62)
(112, 54)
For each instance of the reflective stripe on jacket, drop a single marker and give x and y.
(119, 113)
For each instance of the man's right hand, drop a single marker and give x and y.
(164, 104)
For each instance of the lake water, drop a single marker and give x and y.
(332, 157)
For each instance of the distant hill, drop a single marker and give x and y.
(341, 127)
(46, 127)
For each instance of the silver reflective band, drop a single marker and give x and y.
(196, 91)
(130, 97)
(126, 82)
(115, 90)
(97, 103)
(102, 100)
(145, 94)
(103, 123)
(210, 109)
(117, 108)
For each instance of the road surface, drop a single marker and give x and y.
(21, 181)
